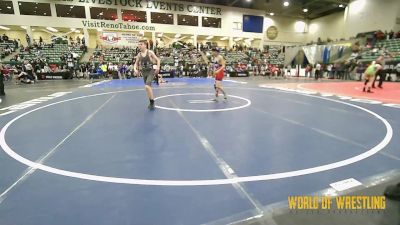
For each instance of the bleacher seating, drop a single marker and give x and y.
(235, 57)
(392, 46)
(114, 55)
(51, 53)
(273, 55)
(3, 46)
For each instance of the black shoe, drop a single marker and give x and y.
(369, 91)
(363, 89)
(380, 87)
(151, 106)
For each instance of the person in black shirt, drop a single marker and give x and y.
(2, 93)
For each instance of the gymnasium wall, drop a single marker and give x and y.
(331, 26)
(360, 16)
(286, 30)
(229, 16)
(370, 15)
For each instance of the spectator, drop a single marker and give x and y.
(329, 70)
(28, 39)
(391, 34)
(317, 73)
(5, 38)
(27, 74)
(2, 93)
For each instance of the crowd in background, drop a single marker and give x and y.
(117, 62)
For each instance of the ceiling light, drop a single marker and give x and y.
(237, 39)
(71, 7)
(209, 37)
(271, 14)
(223, 39)
(305, 10)
(341, 6)
(177, 35)
(44, 13)
(78, 31)
(8, 7)
(248, 0)
(4, 28)
(99, 29)
(160, 35)
(24, 27)
(192, 37)
(286, 3)
(170, 15)
(72, 29)
(52, 29)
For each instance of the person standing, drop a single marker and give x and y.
(2, 93)
(330, 72)
(369, 76)
(144, 64)
(219, 71)
(317, 73)
(382, 72)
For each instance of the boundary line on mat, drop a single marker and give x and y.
(94, 84)
(31, 170)
(33, 102)
(385, 141)
(325, 94)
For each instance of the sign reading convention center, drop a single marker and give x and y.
(159, 5)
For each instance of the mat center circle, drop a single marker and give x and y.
(196, 102)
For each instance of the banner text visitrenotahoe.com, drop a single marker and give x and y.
(124, 26)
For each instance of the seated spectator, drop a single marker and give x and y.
(27, 74)
(5, 38)
(47, 69)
